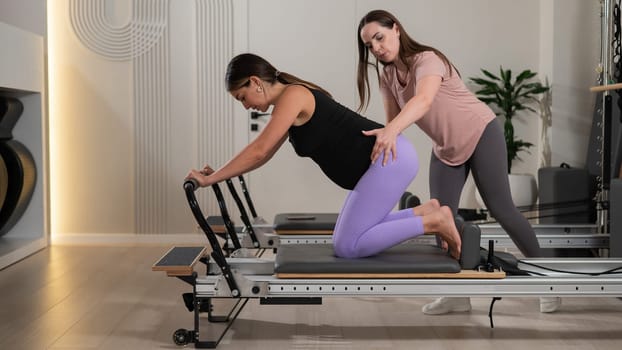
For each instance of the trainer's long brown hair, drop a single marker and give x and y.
(243, 66)
(408, 48)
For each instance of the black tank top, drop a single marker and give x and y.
(332, 137)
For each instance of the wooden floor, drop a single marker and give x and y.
(108, 298)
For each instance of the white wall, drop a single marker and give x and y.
(95, 113)
(29, 15)
(576, 54)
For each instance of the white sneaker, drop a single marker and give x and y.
(445, 305)
(550, 304)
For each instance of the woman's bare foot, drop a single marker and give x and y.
(441, 222)
(449, 233)
(426, 208)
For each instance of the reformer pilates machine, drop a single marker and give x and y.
(304, 274)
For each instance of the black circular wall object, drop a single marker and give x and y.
(10, 111)
(22, 176)
(18, 173)
(4, 182)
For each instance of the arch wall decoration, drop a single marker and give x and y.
(144, 41)
(215, 107)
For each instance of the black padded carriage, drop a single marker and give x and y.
(405, 258)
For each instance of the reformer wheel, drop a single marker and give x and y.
(181, 337)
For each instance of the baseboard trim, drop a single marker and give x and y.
(127, 239)
(25, 248)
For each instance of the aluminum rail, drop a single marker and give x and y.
(501, 240)
(548, 235)
(264, 284)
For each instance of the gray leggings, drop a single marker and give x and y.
(489, 167)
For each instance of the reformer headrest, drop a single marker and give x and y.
(305, 221)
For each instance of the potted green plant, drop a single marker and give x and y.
(507, 96)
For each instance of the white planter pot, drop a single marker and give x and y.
(523, 188)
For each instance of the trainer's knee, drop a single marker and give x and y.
(503, 216)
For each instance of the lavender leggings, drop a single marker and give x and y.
(366, 225)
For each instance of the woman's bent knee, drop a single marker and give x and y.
(346, 250)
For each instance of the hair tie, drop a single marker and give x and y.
(276, 73)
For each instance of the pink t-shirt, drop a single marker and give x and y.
(456, 119)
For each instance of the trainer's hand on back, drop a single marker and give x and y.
(386, 140)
